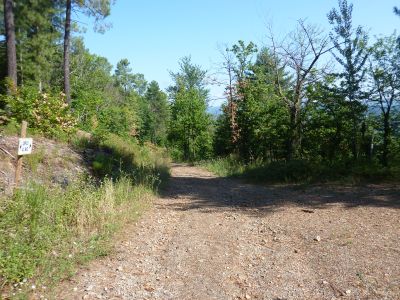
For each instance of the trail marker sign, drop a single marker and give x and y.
(25, 146)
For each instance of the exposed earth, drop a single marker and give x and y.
(216, 238)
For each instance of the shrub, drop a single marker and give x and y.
(46, 112)
(116, 156)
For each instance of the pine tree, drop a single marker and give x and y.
(38, 35)
(99, 10)
(351, 45)
(155, 115)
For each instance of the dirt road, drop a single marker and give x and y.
(214, 238)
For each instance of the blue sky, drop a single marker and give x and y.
(154, 34)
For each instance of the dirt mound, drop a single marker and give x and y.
(51, 162)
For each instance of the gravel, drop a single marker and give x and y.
(214, 238)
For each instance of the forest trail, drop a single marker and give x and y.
(216, 238)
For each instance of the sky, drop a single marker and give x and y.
(155, 34)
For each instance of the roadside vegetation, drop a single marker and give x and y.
(51, 224)
(288, 117)
(99, 154)
(301, 171)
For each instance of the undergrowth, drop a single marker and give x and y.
(301, 171)
(115, 156)
(47, 230)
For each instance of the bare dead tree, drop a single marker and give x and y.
(228, 66)
(298, 54)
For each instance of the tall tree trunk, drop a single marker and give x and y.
(354, 146)
(294, 143)
(67, 34)
(232, 111)
(10, 38)
(386, 139)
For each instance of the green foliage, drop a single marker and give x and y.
(128, 81)
(154, 115)
(385, 71)
(35, 158)
(99, 10)
(189, 128)
(46, 231)
(260, 115)
(328, 130)
(351, 45)
(45, 112)
(227, 166)
(243, 54)
(119, 120)
(144, 164)
(222, 139)
(301, 171)
(11, 128)
(38, 33)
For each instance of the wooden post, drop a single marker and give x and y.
(18, 170)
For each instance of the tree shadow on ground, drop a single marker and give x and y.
(210, 193)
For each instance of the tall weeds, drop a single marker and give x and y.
(46, 230)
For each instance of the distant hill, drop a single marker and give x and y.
(214, 110)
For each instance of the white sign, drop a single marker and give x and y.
(25, 146)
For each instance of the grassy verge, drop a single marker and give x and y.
(47, 230)
(300, 171)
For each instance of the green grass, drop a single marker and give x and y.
(35, 158)
(301, 171)
(144, 164)
(47, 230)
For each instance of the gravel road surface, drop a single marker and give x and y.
(216, 238)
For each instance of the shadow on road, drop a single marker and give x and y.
(208, 193)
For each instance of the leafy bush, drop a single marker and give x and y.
(46, 112)
(116, 120)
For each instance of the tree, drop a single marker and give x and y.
(99, 9)
(189, 126)
(236, 61)
(91, 83)
(38, 34)
(385, 71)
(10, 39)
(155, 115)
(351, 45)
(124, 76)
(242, 70)
(328, 123)
(67, 35)
(298, 57)
(243, 55)
(127, 80)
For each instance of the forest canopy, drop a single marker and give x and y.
(322, 98)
